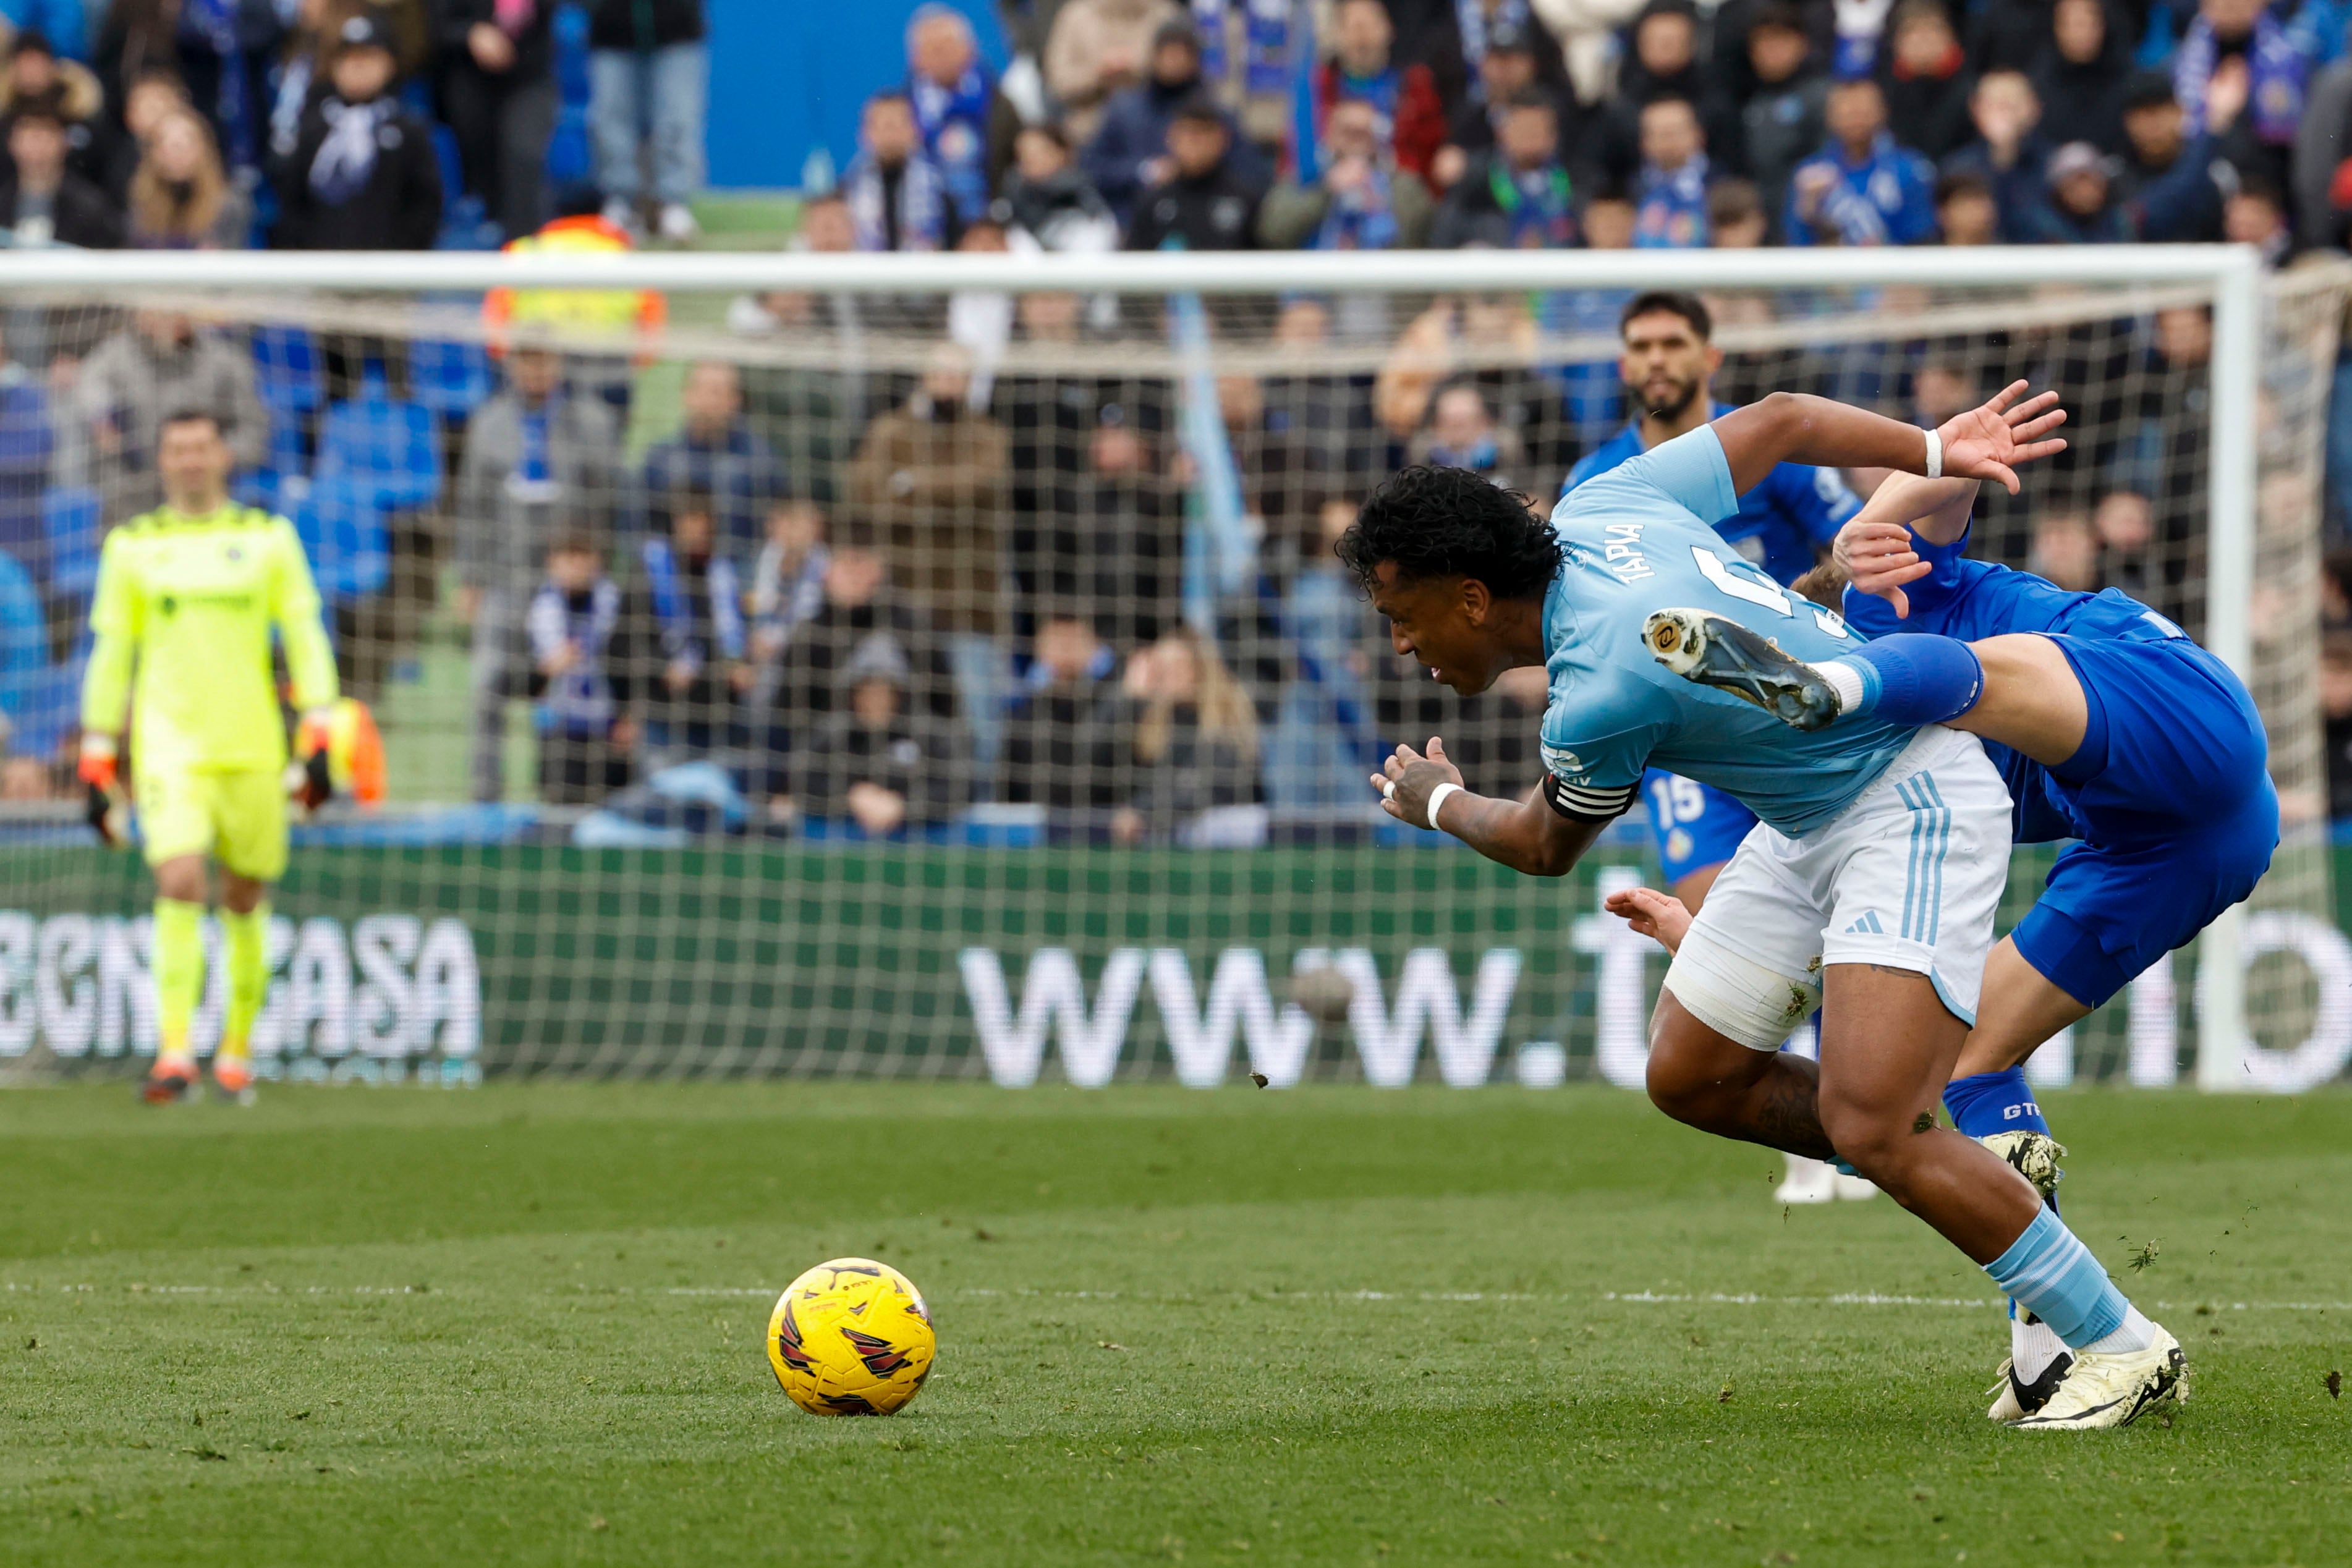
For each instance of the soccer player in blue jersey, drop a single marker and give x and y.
(2110, 727)
(1668, 365)
(1868, 886)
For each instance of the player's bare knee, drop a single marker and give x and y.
(181, 879)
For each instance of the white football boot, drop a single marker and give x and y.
(2113, 1390)
(2033, 1155)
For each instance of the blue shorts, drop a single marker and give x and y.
(1694, 825)
(2179, 814)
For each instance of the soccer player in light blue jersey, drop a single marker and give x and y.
(1868, 886)
(2111, 729)
(1668, 364)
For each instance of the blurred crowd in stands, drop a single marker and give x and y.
(828, 586)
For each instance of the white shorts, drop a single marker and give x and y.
(1908, 876)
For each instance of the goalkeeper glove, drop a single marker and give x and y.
(311, 781)
(98, 772)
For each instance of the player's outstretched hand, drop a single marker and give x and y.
(1879, 558)
(1660, 916)
(1407, 778)
(1989, 441)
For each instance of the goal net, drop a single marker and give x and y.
(826, 665)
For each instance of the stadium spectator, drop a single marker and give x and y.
(302, 65)
(649, 87)
(1670, 199)
(1189, 744)
(1059, 732)
(44, 203)
(1462, 433)
(2065, 549)
(2168, 173)
(959, 112)
(2322, 143)
(694, 645)
(1863, 188)
(1410, 118)
(2008, 153)
(2336, 707)
(129, 381)
(1781, 123)
(1206, 202)
(500, 97)
(363, 175)
(154, 94)
(181, 198)
(222, 54)
(1359, 201)
(2255, 213)
(879, 759)
(860, 603)
(1127, 153)
(2081, 208)
(812, 415)
(538, 457)
(1517, 193)
(1048, 198)
(37, 76)
(1096, 47)
(788, 580)
(1506, 66)
(1965, 210)
(1927, 81)
(1737, 218)
(1664, 63)
(930, 478)
(2081, 75)
(717, 452)
(898, 195)
(579, 680)
(2250, 37)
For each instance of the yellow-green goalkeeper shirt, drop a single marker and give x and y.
(192, 600)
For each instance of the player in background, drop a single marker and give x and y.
(1668, 365)
(188, 597)
(1871, 881)
(2110, 726)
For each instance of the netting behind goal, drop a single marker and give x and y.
(962, 684)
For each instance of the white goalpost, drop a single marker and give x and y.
(1220, 399)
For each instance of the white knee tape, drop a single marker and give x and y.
(1738, 997)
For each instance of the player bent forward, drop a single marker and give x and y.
(1870, 885)
(186, 597)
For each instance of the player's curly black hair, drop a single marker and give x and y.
(1450, 522)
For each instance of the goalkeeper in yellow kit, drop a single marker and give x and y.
(186, 597)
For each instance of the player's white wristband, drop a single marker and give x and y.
(1437, 800)
(1935, 454)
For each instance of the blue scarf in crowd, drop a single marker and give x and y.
(675, 614)
(954, 126)
(1361, 220)
(579, 702)
(922, 204)
(2276, 70)
(1538, 203)
(1266, 42)
(1672, 211)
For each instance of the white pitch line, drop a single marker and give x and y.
(1627, 1298)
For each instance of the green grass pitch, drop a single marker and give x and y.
(523, 1325)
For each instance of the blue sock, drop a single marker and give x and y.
(1916, 677)
(2052, 1275)
(1987, 1103)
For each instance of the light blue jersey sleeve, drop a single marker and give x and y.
(1690, 471)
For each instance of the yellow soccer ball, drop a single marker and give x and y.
(851, 1337)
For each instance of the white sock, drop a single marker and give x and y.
(2032, 1346)
(1844, 680)
(2135, 1333)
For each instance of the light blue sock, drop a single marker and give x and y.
(2050, 1273)
(1915, 678)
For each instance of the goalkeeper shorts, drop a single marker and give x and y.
(237, 816)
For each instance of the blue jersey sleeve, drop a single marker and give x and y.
(1690, 471)
(1816, 499)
